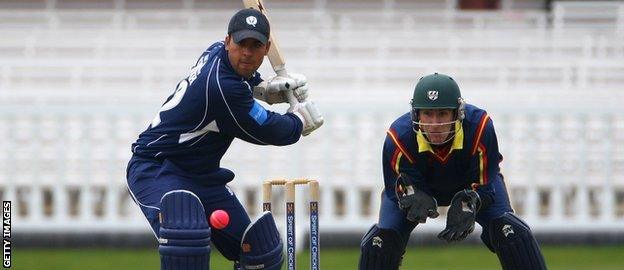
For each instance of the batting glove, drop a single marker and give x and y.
(309, 116)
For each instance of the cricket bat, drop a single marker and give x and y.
(274, 54)
(278, 64)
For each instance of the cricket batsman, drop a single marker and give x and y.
(444, 152)
(174, 174)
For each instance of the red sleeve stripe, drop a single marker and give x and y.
(477, 137)
(483, 165)
(395, 160)
(395, 138)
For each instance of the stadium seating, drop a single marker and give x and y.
(80, 79)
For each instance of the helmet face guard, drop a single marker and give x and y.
(456, 123)
(437, 91)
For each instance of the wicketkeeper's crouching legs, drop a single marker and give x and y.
(513, 242)
(184, 234)
(382, 249)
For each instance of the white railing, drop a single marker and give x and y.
(63, 167)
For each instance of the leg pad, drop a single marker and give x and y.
(261, 247)
(184, 234)
(382, 249)
(514, 244)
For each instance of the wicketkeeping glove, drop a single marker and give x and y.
(418, 204)
(460, 219)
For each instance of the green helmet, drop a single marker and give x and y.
(436, 91)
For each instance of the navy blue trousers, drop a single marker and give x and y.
(149, 180)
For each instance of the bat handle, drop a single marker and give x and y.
(292, 100)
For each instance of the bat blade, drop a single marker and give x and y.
(276, 59)
(274, 54)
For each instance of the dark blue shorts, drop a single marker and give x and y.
(149, 180)
(392, 217)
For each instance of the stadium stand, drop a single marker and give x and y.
(80, 79)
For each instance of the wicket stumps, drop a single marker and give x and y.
(289, 185)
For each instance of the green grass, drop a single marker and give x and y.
(461, 257)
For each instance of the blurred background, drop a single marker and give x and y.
(80, 79)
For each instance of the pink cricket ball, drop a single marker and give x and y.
(219, 219)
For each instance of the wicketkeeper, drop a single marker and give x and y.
(444, 152)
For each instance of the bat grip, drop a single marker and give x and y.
(292, 100)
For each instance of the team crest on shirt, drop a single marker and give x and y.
(251, 20)
(433, 95)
